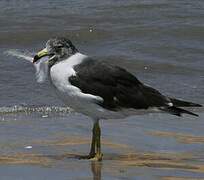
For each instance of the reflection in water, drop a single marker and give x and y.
(96, 169)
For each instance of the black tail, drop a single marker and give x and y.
(177, 111)
(181, 103)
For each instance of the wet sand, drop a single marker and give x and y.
(182, 138)
(129, 146)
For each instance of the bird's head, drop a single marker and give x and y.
(56, 49)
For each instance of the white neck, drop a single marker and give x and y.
(75, 59)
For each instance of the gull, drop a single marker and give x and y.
(101, 90)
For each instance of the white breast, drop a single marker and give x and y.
(71, 95)
(61, 72)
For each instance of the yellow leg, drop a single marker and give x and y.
(95, 152)
(93, 143)
(98, 155)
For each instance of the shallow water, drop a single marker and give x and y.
(161, 42)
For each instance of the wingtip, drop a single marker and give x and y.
(194, 114)
(182, 103)
(179, 111)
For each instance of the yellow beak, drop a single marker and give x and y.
(40, 54)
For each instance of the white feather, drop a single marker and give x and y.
(61, 72)
(41, 70)
(41, 67)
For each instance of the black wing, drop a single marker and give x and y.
(117, 87)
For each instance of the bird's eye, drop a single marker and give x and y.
(59, 46)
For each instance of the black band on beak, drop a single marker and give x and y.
(36, 58)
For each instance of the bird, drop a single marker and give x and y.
(101, 90)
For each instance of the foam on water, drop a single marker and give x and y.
(41, 66)
(30, 109)
(20, 55)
